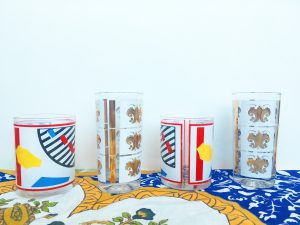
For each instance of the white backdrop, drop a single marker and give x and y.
(187, 57)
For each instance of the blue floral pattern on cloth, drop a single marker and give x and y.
(275, 206)
(6, 177)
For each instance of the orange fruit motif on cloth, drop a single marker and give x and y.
(19, 214)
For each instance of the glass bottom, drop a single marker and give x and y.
(31, 194)
(120, 188)
(186, 187)
(252, 182)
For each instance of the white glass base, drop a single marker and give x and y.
(187, 187)
(253, 183)
(32, 194)
(119, 188)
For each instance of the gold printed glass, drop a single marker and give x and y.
(256, 119)
(119, 140)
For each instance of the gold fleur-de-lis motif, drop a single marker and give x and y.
(258, 140)
(134, 141)
(133, 167)
(257, 165)
(98, 141)
(97, 115)
(135, 114)
(259, 114)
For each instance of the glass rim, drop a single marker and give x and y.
(118, 92)
(179, 117)
(257, 92)
(186, 117)
(35, 119)
(44, 116)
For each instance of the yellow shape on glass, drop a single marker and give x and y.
(26, 159)
(205, 152)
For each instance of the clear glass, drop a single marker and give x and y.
(119, 140)
(186, 152)
(31, 152)
(256, 120)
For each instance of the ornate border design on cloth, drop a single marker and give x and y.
(95, 199)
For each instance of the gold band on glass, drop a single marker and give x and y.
(236, 137)
(112, 141)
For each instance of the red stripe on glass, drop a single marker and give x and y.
(18, 166)
(45, 125)
(167, 144)
(71, 147)
(45, 189)
(199, 162)
(63, 139)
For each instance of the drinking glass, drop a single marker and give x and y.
(119, 137)
(186, 152)
(45, 154)
(256, 119)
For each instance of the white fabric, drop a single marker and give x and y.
(177, 211)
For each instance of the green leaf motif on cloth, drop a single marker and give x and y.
(163, 222)
(36, 203)
(4, 201)
(152, 223)
(127, 219)
(118, 219)
(135, 223)
(43, 206)
(126, 215)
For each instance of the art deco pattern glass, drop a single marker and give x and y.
(256, 119)
(119, 137)
(186, 152)
(45, 153)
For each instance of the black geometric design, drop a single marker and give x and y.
(167, 145)
(52, 143)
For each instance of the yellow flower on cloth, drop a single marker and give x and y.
(205, 152)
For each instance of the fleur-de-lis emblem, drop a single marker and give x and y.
(133, 167)
(258, 140)
(135, 114)
(259, 114)
(134, 141)
(98, 141)
(257, 165)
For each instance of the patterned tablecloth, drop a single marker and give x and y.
(224, 202)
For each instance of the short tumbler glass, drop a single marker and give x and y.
(45, 154)
(186, 152)
(256, 119)
(119, 137)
